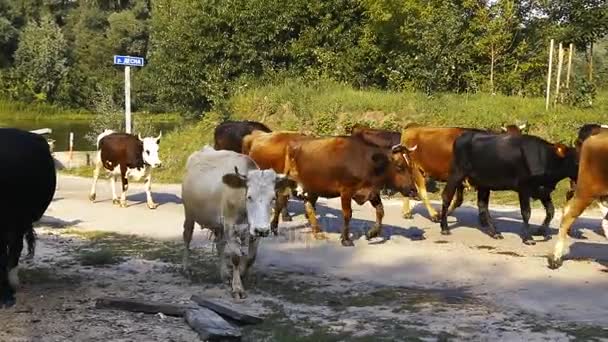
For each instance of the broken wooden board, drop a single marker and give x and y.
(211, 326)
(224, 309)
(135, 305)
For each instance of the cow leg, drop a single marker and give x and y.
(280, 207)
(309, 207)
(550, 213)
(483, 200)
(113, 185)
(125, 186)
(347, 214)
(447, 195)
(7, 294)
(377, 229)
(98, 166)
(406, 209)
(148, 186)
(458, 201)
(524, 205)
(573, 209)
(420, 183)
(251, 256)
(30, 237)
(187, 236)
(238, 292)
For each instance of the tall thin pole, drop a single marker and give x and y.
(560, 61)
(549, 75)
(570, 52)
(128, 99)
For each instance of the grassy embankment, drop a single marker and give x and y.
(330, 108)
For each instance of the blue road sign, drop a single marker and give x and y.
(128, 60)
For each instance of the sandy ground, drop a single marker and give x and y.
(416, 284)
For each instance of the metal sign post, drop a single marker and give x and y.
(128, 62)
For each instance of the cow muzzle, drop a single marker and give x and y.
(262, 231)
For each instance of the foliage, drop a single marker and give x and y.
(40, 61)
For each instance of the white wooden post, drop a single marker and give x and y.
(560, 60)
(128, 99)
(549, 75)
(570, 51)
(71, 150)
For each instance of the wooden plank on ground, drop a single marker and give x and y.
(227, 310)
(135, 305)
(211, 326)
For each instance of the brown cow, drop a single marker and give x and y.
(128, 156)
(349, 168)
(431, 156)
(268, 152)
(592, 184)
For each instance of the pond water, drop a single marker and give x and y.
(62, 128)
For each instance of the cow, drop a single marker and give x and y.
(591, 184)
(127, 156)
(525, 164)
(349, 168)
(432, 158)
(229, 134)
(28, 181)
(584, 132)
(267, 149)
(227, 193)
(517, 128)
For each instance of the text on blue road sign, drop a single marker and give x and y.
(128, 60)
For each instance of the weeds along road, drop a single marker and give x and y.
(506, 272)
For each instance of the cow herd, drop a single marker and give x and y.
(240, 187)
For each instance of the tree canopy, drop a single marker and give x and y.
(200, 51)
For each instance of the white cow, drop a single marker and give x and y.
(226, 192)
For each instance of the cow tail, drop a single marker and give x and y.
(30, 239)
(103, 135)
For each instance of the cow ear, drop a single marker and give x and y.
(284, 182)
(561, 150)
(234, 180)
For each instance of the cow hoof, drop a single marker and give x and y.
(239, 295)
(347, 243)
(445, 232)
(497, 236)
(320, 236)
(575, 234)
(92, 197)
(8, 301)
(529, 242)
(435, 218)
(152, 205)
(287, 218)
(115, 201)
(554, 263)
(123, 204)
(408, 216)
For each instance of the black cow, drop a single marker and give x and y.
(229, 134)
(28, 180)
(525, 164)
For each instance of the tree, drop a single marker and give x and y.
(497, 24)
(40, 59)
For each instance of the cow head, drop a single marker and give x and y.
(568, 160)
(150, 152)
(399, 168)
(517, 128)
(260, 187)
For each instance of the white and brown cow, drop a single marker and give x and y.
(127, 156)
(227, 193)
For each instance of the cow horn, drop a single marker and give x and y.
(522, 126)
(503, 128)
(160, 134)
(139, 136)
(412, 149)
(397, 148)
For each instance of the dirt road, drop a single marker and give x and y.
(511, 278)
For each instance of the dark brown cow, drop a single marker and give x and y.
(229, 134)
(591, 184)
(431, 156)
(349, 168)
(268, 152)
(127, 156)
